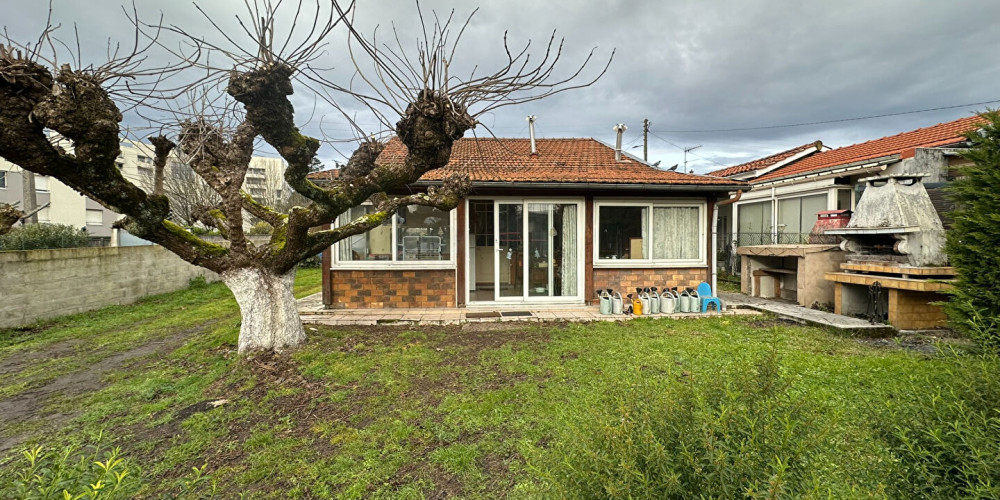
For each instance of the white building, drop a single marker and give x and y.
(63, 205)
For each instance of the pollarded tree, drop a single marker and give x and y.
(41, 98)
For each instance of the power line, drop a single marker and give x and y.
(841, 120)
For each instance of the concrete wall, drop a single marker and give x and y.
(39, 284)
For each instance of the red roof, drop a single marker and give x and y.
(323, 175)
(557, 161)
(767, 161)
(902, 144)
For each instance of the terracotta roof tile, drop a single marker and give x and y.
(767, 161)
(557, 161)
(323, 175)
(941, 134)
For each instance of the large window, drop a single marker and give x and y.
(654, 233)
(414, 233)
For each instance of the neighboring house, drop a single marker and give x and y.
(885, 260)
(547, 226)
(785, 195)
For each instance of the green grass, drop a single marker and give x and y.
(396, 412)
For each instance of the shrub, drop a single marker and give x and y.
(946, 439)
(89, 473)
(260, 229)
(36, 236)
(975, 236)
(693, 437)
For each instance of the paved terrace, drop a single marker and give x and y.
(797, 313)
(312, 311)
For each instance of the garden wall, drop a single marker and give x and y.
(37, 284)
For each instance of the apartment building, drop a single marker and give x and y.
(63, 205)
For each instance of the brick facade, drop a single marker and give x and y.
(627, 280)
(357, 289)
(909, 310)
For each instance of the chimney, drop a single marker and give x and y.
(531, 131)
(620, 128)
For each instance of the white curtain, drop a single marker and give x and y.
(675, 233)
(570, 264)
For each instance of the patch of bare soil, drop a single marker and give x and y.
(771, 323)
(920, 342)
(28, 404)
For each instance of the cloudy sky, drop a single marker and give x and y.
(696, 69)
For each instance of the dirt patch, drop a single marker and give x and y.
(771, 323)
(923, 343)
(18, 362)
(28, 404)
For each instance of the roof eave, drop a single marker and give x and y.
(858, 165)
(724, 188)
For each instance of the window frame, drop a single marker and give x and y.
(3, 179)
(650, 205)
(94, 210)
(337, 262)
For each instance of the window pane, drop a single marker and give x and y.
(676, 233)
(422, 234)
(3, 179)
(622, 232)
(373, 245)
(844, 199)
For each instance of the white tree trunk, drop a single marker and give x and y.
(270, 317)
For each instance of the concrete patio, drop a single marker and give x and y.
(312, 311)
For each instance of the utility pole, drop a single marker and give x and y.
(686, 150)
(645, 140)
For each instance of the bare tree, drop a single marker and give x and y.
(415, 93)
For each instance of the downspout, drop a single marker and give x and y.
(774, 217)
(715, 249)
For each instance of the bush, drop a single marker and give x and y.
(36, 236)
(260, 229)
(946, 439)
(89, 473)
(690, 437)
(974, 238)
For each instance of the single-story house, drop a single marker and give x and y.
(892, 238)
(787, 190)
(546, 222)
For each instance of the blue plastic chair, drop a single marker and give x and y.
(705, 293)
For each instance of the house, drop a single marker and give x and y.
(893, 240)
(789, 189)
(547, 222)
